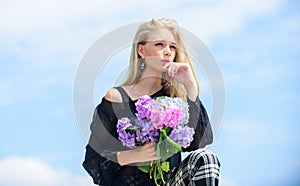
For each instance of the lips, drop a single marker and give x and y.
(165, 60)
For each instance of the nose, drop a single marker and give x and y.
(167, 51)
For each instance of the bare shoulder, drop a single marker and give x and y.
(113, 95)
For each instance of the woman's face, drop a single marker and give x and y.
(160, 48)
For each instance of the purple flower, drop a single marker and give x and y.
(183, 136)
(144, 106)
(153, 116)
(146, 132)
(127, 138)
(123, 123)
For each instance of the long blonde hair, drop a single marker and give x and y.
(174, 88)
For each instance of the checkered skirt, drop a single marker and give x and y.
(199, 168)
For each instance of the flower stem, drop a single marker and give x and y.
(155, 174)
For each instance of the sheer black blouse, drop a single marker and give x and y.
(101, 152)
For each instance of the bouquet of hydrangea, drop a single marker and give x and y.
(162, 121)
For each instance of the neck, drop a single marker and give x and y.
(150, 79)
(149, 84)
(145, 86)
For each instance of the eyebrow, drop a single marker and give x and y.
(173, 43)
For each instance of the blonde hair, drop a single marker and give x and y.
(174, 88)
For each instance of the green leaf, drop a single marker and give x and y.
(165, 166)
(144, 168)
(165, 146)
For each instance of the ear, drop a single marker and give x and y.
(140, 50)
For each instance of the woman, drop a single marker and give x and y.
(159, 66)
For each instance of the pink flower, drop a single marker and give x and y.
(172, 116)
(156, 117)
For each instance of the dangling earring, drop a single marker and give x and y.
(142, 63)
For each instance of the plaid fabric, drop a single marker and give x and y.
(201, 167)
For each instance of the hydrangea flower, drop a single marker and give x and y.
(184, 107)
(183, 136)
(147, 132)
(144, 107)
(172, 116)
(156, 117)
(162, 120)
(126, 137)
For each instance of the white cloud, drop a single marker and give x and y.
(260, 58)
(224, 17)
(45, 35)
(27, 16)
(50, 33)
(33, 172)
(209, 19)
(35, 29)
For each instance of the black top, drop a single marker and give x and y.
(101, 158)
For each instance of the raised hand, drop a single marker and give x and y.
(182, 72)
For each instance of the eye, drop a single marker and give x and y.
(173, 47)
(159, 44)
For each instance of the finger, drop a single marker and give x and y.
(166, 66)
(177, 69)
(151, 149)
(148, 143)
(155, 158)
(148, 149)
(184, 66)
(171, 70)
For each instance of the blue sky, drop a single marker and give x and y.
(256, 45)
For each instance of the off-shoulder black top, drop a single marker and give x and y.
(101, 152)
